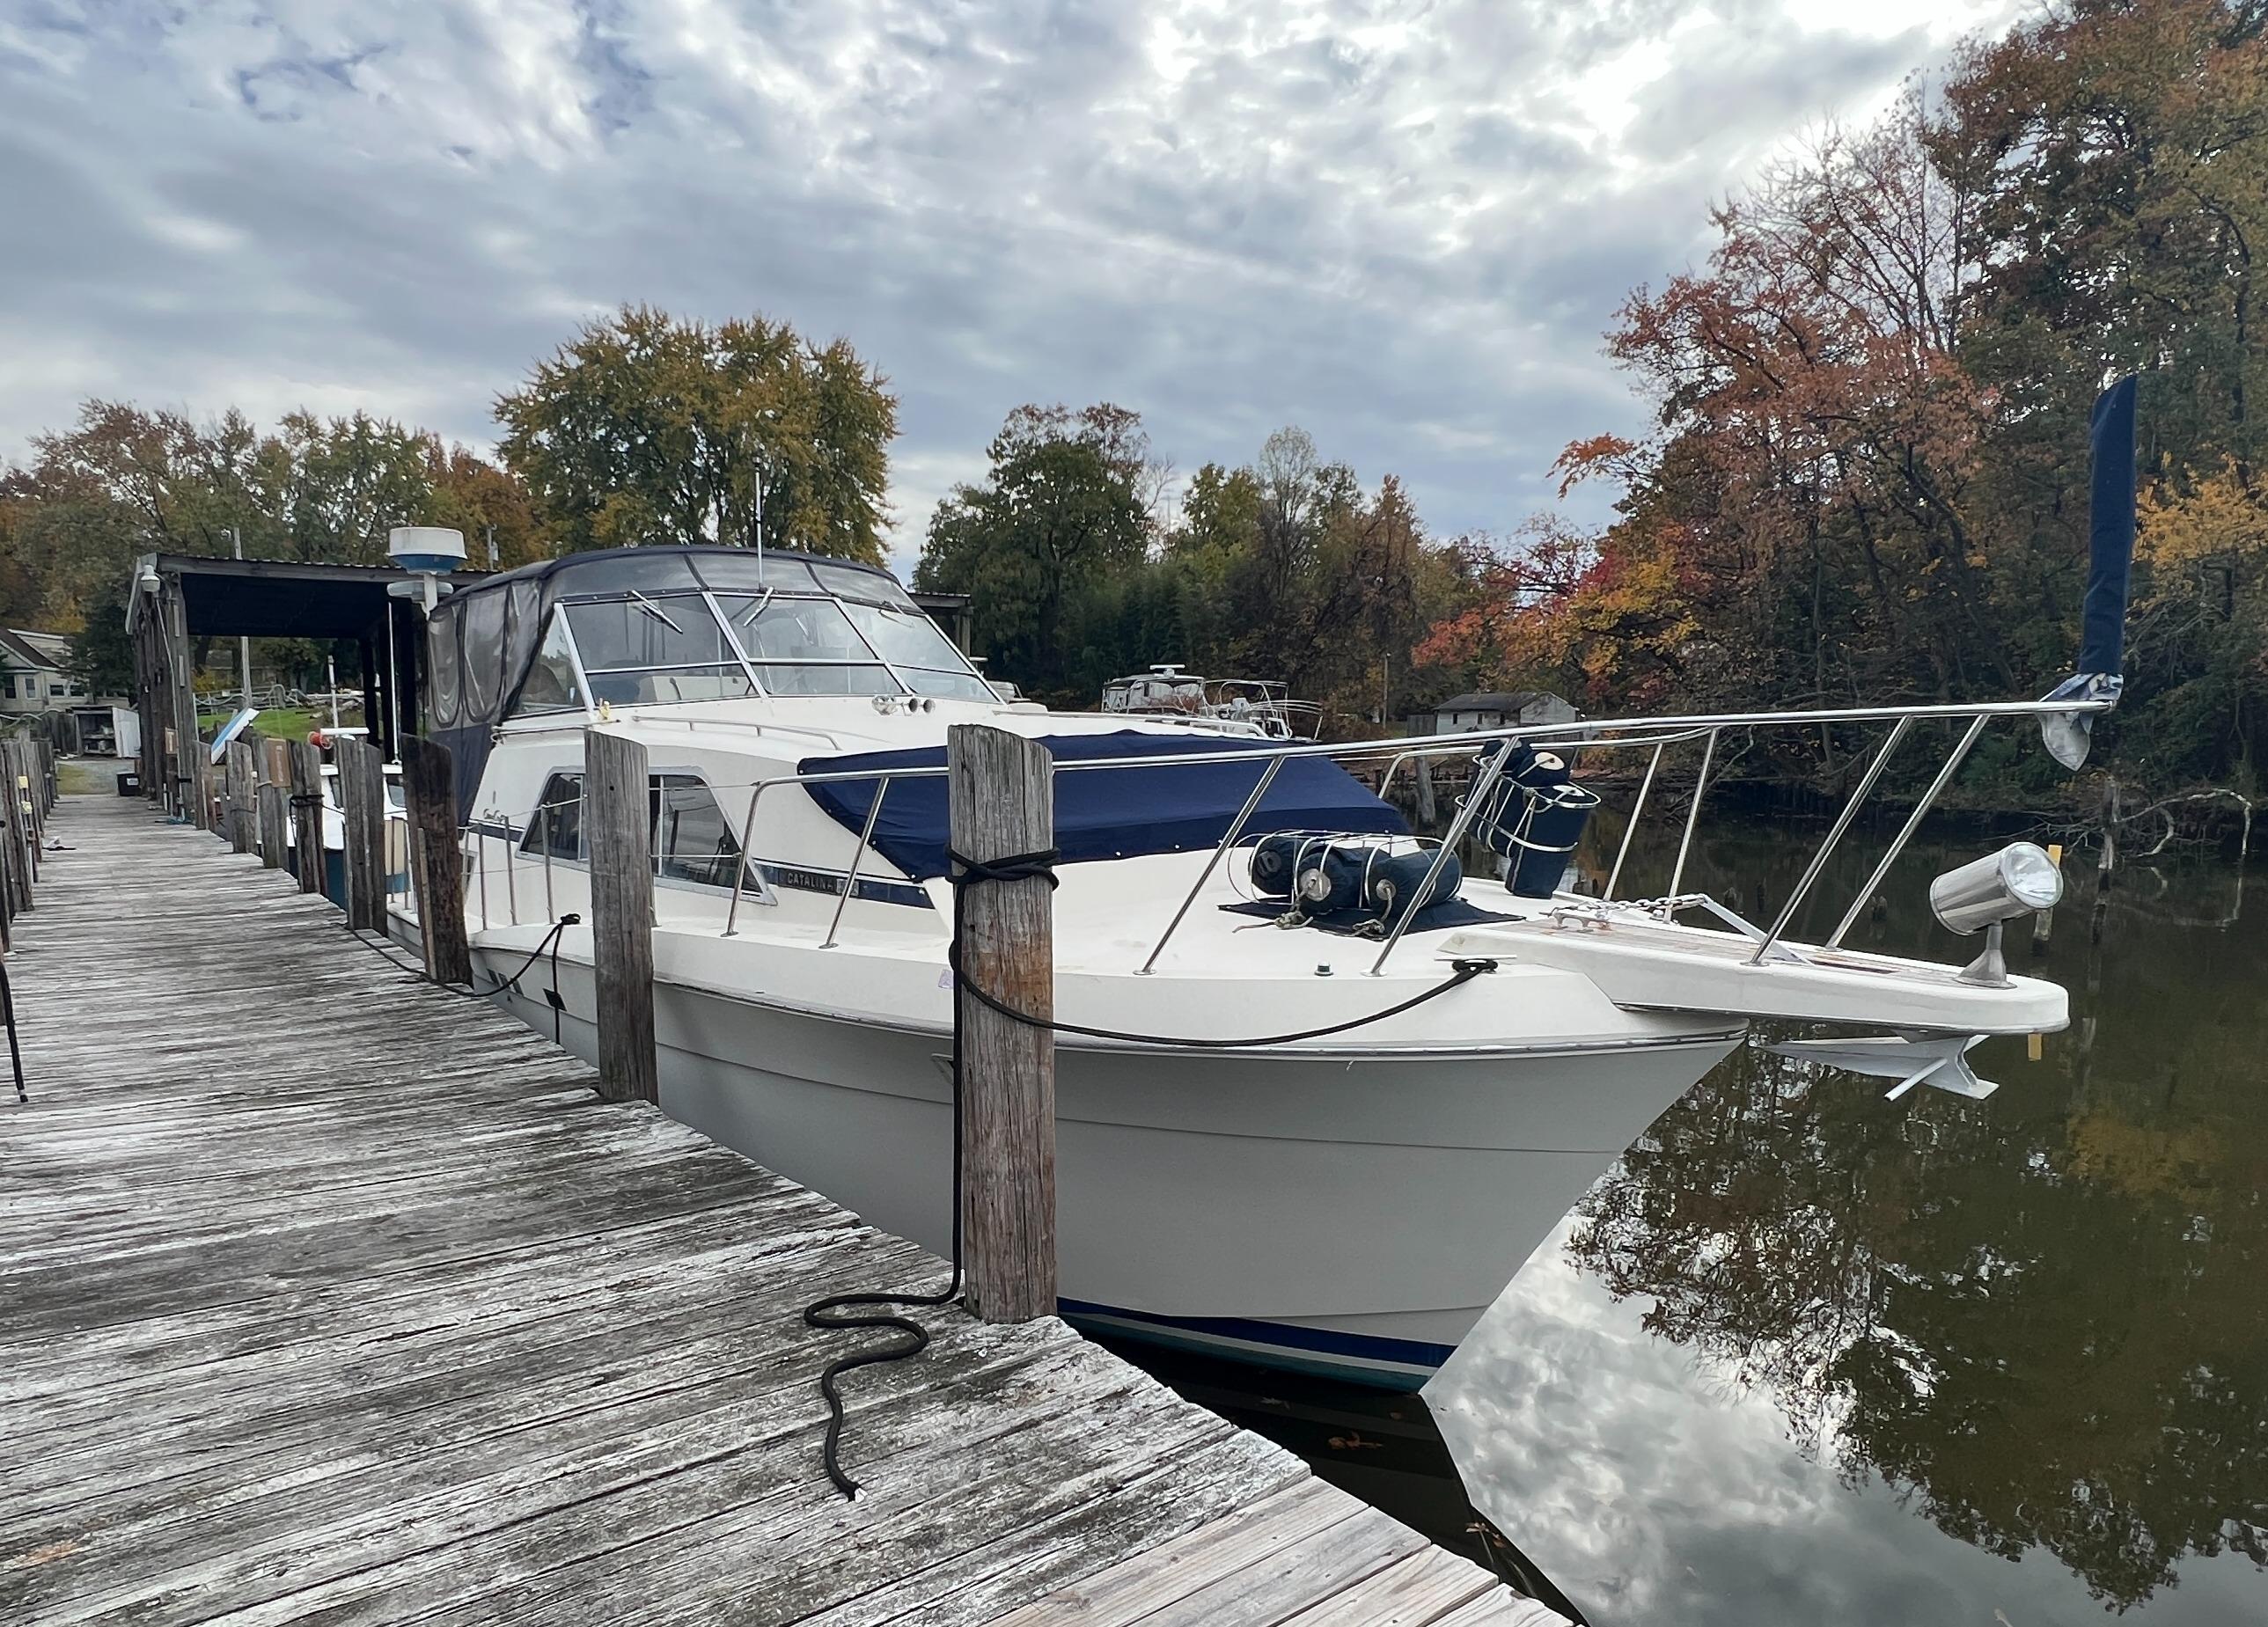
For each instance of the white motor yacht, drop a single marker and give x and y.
(1350, 1203)
(1259, 706)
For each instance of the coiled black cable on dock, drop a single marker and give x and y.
(15, 1049)
(963, 874)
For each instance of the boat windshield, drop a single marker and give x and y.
(640, 647)
(642, 626)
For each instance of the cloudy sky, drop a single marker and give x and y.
(1402, 223)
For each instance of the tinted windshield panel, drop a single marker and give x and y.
(948, 685)
(794, 629)
(817, 680)
(906, 639)
(855, 583)
(676, 631)
(680, 683)
(746, 573)
(652, 571)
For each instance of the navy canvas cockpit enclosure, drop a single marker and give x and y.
(1109, 812)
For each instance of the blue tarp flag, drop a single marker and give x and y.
(2109, 532)
(1110, 813)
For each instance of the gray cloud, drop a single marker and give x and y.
(1401, 226)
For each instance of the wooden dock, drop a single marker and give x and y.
(328, 1296)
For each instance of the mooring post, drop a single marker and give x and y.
(2044, 923)
(437, 863)
(362, 803)
(2106, 862)
(241, 828)
(1002, 796)
(272, 800)
(618, 823)
(20, 868)
(307, 815)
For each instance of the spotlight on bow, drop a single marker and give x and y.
(2020, 879)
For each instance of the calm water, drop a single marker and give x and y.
(1810, 1356)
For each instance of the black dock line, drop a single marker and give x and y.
(965, 874)
(15, 1050)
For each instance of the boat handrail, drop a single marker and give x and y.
(1593, 734)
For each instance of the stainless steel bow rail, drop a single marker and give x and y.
(1596, 734)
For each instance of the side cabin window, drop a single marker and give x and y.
(555, 825)
(688, 835)
(691, 841)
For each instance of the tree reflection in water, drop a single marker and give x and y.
(2040, 1318)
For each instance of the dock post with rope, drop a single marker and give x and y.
(362, 809)
(437, 859)
(617, 819)
(1003, 811)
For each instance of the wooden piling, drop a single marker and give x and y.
(618, 824)
(1003, 803)
(437, 863)
(2106, 862)
(1428, 811)
(307, 815)
(362, 806)
(20, 843)
(242, 825)
(2044, 923)
(272, 805)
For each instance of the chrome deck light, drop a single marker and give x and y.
(1982, 894)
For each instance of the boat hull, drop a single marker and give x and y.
(1342, 1214)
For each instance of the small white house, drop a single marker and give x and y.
(35, 673)
(1467, 714)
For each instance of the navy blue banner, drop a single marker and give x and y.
(1114, 813)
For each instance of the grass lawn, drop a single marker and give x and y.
(74, 780)
(282, 723)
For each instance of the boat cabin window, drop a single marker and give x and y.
(689, 837)
(555, 825)
(691, 841)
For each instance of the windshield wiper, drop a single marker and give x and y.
(656, 612)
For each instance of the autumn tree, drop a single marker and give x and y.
(1866, 478)
(648, 429)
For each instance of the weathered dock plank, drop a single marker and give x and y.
(327, 1296)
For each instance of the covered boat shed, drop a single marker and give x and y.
(178, 599)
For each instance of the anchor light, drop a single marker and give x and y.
(2020, 879)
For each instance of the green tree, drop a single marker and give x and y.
(649, 430)
(1060, 510)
